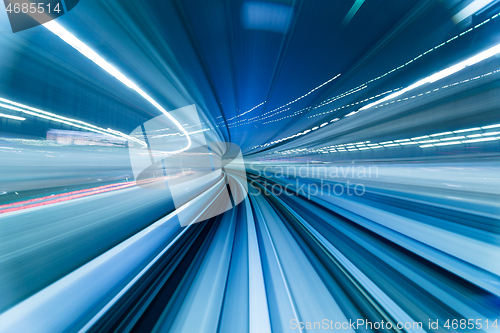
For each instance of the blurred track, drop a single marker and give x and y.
(265, 266)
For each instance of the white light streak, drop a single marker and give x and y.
(468, 130)
(63, 120)
(305, 95)
(420, 137)
(11, 117)
(98, 60)
(440, 75)
(439, 134)
(403, 142)
(491, 126)
(448, 143)
(453, 138)
(479, 140)
(428, 141)
(255, 107)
